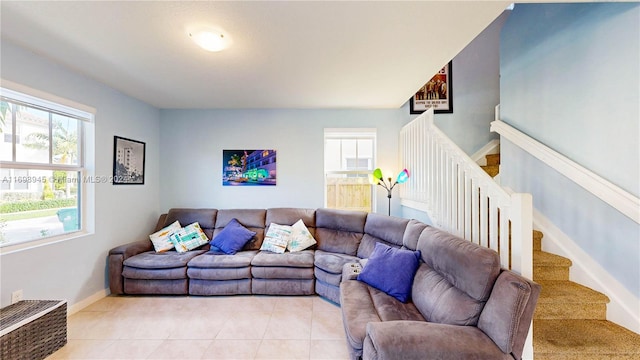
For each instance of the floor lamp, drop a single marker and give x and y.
(378, 179)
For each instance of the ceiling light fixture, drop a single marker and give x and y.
(209, 38)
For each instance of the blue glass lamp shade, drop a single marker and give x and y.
(403, 176)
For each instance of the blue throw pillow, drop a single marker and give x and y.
(391, 270)
(232, 238)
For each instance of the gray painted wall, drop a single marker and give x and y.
(569, 78)
(191, 167)
(76, 269)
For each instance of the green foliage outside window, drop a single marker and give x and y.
(36, 205)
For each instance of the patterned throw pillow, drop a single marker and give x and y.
(300, 238)
(161, 240)
(189, 238)
(277, 238)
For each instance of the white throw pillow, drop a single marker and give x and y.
(300, 238)
(276, 238)
(161, 240)
(189, 238)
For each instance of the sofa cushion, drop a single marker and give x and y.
(252, 219)
(390, 309)
(219, 273)
(368, 243)
(358, 310)
(212, 261)
(215, 287)
(391, 270)
(412, 234)
(342, 242)
(154, 274)
(205, 217)
(160, 239)
(232, 238)
(156, 286)
(163, 260)
(332, 262)
(339, 231)
(301, 237)
(282, 286)
(188, 238)
(300, 259)
(281, 272)
(327, 277)
(388, 228)
(439, 301)
(470, 267)
(503, 311)
(289, 216)
(425, 340)
(276, 238)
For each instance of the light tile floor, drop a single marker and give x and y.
(216, 327)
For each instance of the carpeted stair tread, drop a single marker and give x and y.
(583, 339)
(569, 300)
(569, 291)
(543, 258)
(492, 170)
(570, 319)
(493, 159)
(547, 266)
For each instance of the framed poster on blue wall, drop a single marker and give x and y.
(437, 93)
(248, 167)
(128, 161)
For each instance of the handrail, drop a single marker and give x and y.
(619, 199)
(458, 196)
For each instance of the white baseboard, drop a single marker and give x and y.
(624, 308)
(86, 302)
(492, 147)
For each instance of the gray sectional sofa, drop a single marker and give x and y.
(462, 305)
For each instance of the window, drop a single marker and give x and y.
(349, 158)
(42, 167)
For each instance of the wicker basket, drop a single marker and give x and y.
(32, 329)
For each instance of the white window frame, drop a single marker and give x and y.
(352, 134)
(86, 154)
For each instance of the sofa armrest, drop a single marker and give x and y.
(406, 340)
(116, 258)
(350, 271)
(131, 249)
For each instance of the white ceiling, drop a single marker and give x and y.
(284, 55)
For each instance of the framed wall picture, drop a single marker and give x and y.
(248, 167)
(437, 93)
(128, 161)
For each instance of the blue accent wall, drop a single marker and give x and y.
(76, 269)
(569, 77)
(191, 163)
(476, 92)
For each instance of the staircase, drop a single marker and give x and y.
(570, 319)
(493, 164)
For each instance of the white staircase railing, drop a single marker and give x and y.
(458, 196)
